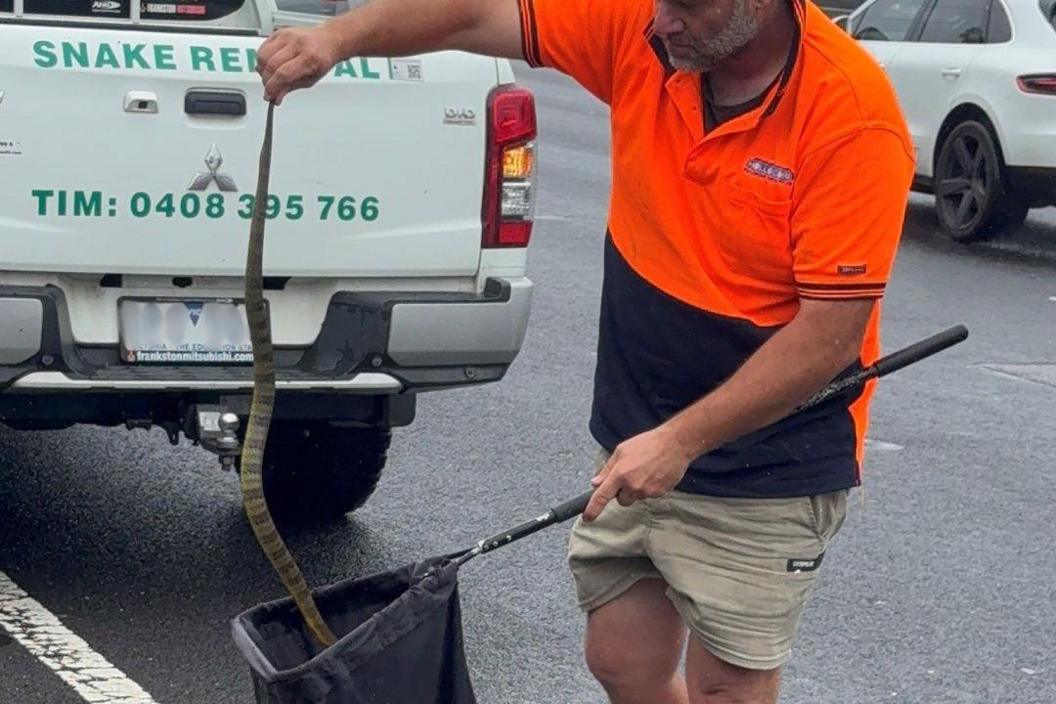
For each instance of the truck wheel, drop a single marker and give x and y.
(317, 471)
(972, 195)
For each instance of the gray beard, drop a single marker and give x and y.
(741, 29)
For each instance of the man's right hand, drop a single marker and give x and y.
(295, 58)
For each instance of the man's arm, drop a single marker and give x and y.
(822, 340)
(298, 58)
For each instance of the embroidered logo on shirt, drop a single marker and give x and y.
(845, 270)
(769, 171)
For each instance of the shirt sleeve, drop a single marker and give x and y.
(848, 214)
(581, 38)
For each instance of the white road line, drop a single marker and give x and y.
(65, 653)
(1038, 373)
(881, 446)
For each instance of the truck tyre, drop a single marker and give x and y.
(973, 198)
(317, 471)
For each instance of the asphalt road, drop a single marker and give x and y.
(940, 588)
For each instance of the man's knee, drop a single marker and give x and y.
(636, 640)
(727, 693)
(712, 680)
(619, 664)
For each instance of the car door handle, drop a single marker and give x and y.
(951, 72)
(208, 102)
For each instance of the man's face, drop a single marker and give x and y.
(699, 34)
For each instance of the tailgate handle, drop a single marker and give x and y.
(214, 102)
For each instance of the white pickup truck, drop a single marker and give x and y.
(395, 253)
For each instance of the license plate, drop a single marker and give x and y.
(184, 331)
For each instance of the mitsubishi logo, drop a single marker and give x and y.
(194, 311)
(213, 161)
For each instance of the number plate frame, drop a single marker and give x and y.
(184, 331)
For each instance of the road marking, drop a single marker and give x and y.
(881, 446)
(1041, 373)
(64, 652)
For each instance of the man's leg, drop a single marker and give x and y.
(713, 681)
(634, 646)
(739, 573)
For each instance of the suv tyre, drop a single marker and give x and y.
(972, 195)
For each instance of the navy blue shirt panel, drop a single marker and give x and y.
(658, 355)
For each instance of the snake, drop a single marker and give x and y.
(262, 407)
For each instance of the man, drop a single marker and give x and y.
(760, 173)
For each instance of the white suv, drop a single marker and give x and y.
(395, 256)
(977, 82)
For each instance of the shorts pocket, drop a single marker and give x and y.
(826, 513)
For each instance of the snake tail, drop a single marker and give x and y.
(261, 410)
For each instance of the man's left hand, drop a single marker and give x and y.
(646, 466)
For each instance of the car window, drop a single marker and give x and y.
(195, 10)
(1048, 8)
(999, 29)
(955, 22)
(7, 6)
(887, 20)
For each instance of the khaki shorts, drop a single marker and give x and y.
(738, 570)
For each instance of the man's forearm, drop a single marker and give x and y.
(295, 58)
(402, 27)
(822, 340)
(789, 368)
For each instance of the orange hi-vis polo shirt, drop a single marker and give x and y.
(715, 236)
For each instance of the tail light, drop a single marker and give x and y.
(1042, 83)
(509, 186)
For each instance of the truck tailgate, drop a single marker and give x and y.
(123, 152)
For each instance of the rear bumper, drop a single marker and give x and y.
(369, 343)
